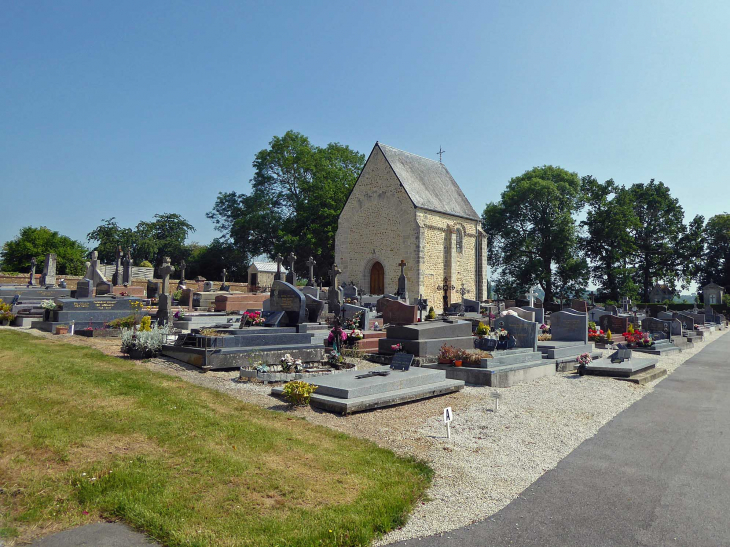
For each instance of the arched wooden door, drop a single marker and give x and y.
(377, 279)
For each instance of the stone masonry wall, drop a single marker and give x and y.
(378, 223)
(439, 250)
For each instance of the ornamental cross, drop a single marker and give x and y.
(165, 270)
(402, 265)
(334, 272)
(440, 153)
(311, 263)
(279, 260)
(182, 270)
(223, 274)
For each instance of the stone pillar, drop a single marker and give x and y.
(277, 275)
(31, 280)
(311, 263)
(127, 274)
(164, 306)
(291, 277)
(49, 270)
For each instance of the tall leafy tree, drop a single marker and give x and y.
(297, 192)
(657, 235)
(532, 230)
(165, 235)
(608, 241)
(38, 242)
(716, 263)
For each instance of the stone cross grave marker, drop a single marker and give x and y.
(49, 270)
(127, 273)
(402, 289)
(164, 307)
(279, 260)
(422, 304)
(117, 277)
(625, 304)
(183, 265)
(311, 264)
(531, 295)
(291, 277)
(334, 296)
(31, 281)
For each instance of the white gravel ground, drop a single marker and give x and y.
(491, 456)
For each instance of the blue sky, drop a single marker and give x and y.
(129, 109)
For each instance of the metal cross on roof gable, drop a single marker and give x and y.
(440, 153)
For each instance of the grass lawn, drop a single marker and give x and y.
(85, 437)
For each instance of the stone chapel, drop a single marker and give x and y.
(406, 207)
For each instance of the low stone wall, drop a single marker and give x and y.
(72, 281)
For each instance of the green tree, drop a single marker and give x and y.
(608, 241)
(716, 263)
(532, 230)
(109, 236)
(38, 242)
(210, 260)
(297, 192)
(657, 235)
(164, 236)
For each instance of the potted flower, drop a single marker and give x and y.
(431, 315)
(446, 354)
(62, 329)
(482, 330)
(397, 348)
(48, 306)
(354, 336)
(583, 359)
(6, 316)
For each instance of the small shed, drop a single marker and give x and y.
(713, 293)
(261, 276)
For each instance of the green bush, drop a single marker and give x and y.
(431, 313)
(122, 323)
(145, 264)
(298, 393)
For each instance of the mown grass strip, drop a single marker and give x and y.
(85, 436)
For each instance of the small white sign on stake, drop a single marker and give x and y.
(448, 416)
(496, 395)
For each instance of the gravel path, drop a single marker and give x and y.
(492, 456)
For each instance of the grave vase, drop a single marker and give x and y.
(457, 363)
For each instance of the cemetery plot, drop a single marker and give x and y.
(355, 391)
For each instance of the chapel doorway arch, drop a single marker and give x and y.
(377, 279)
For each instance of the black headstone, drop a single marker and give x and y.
(287, 298)
(85, 288)
(401, 361)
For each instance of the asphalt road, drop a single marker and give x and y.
(658, 474)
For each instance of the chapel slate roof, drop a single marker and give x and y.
(269, 267)
(428, 183)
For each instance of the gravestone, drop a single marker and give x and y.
(401, 361)
(224, 287)
(104, 287)
(181, 283)
(85, 289)
(380, 303)
(621, 354)
(127, 273)
(471, 306)
(315, 308)
(523, 314)
(626, 304)
(334, 294)
(398, 313)
(117, 277)
(164, 305)
(49, 270)
(665, 315)
(402, 291)
(579, 305)
(349, 311)
(153, 289)
(569, 327)
(311, 291)
(31, 281)
(523, 331)
(291, 276)
(208, 286)
(653, 325)
(93, 272)
(287, 298)
(311, 264)
(277, 275)
(539, 313)
(62, 284)
(688, 322)
(350, 292)
(186, 299)
(613, 310)
(274, 318)
(616, 324)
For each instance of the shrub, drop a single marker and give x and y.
(431, 313)
(146, 323)
(177, 295)
(609, 336)
(447, 353)
(145, 264)
(150, 341)
(122, 323)
(482, 329)
(591, 325)
(298, 393)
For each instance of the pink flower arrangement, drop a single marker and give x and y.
(331, 337)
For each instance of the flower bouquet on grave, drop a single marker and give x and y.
(501, 334)
(447, 354)
(397, 348)
(544, 329)
(354, 336)
(332, 337)
(584, 359)
(354, 323)
(482, 330)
